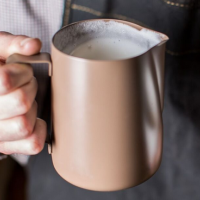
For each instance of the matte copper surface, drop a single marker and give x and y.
(107, 117)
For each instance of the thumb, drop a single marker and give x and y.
(21, 44)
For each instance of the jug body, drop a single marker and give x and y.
(107, 119)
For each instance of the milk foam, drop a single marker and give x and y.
(107, 49)
(77, 36)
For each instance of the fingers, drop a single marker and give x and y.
(21, 44)
(31, 145)
(18, 127)
(19, 101)
(20, 131)
(13, 76)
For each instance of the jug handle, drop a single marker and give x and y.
(42, 57)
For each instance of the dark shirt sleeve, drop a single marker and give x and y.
(2, 156)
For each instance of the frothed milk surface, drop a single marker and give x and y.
(106, 40)
(107, 49)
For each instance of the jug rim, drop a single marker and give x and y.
(164, 37)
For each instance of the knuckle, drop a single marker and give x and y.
(4, 149)
(28, 67)
(5, 83)
(4, 33)
(15, 40)
(21, 65)
(35, 146)
(35, 105)
(24, 127)
(42, 123)
(22, 101)
(34, 84)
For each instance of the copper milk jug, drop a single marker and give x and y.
(106, 114)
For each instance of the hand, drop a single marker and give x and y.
(20, 129)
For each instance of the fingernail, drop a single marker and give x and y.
(23, 42)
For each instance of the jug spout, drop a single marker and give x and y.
(164, 40)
